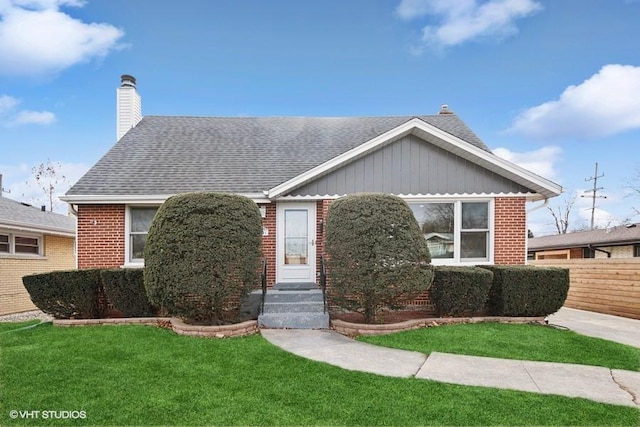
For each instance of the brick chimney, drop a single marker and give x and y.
(128, 106)
(444, 109)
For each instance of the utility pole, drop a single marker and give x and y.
(594, 193)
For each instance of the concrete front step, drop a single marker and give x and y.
(313, 295)
(294, 320)
(295, 286)
(294, 307)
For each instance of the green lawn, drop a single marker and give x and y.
(141, 375)
(510, 341)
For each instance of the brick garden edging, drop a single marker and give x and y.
(353, 329)
(178, 326)
(235, 330)
(153, 321)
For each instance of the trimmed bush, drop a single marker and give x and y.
(520, 290)
(124, 288)
(65, 294)
(202, 256)
(377, 256)
(460, 291)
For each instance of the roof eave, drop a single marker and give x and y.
(137, 199)
(33, 228)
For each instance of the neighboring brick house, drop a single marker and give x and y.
(615, 242)
(31, 241)
(472, 201)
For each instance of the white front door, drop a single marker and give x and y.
(296, 242)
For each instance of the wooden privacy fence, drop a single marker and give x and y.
(607, 285)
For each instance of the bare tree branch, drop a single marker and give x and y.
(48, 177)
(561, 215)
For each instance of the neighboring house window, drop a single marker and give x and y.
(636, 250)
(27, 245)
(4, 243)
(139, 223)
(588, 253)
(455, 231)
(20, 244)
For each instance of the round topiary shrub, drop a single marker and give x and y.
(377, 256)
(202, 256)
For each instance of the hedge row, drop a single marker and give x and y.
(457, 291)
(520, 290)
(460, 291)
(65, 294)
(76, 293)
(124, 288)
(500, 290)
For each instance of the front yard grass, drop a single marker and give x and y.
(142, 375)
(513, 341)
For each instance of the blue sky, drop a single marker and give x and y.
(553, 85)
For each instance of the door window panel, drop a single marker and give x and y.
(296, 236)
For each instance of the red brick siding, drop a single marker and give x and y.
(269, 241)
(510, 230)
(100, 236)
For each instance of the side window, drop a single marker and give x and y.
(140, 223)
(474, 235)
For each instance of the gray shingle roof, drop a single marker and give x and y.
(18, 215)
(624, 234)
(170, 155)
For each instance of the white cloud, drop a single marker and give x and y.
(10, 115)
(541, 162)
(605, 104)
(465, 20)
(7, 103)
(21, 183)
(34, 117)
(37, 38)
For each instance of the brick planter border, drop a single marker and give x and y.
(153, 321)
(178, 326)
(236, 330)
(354, 329)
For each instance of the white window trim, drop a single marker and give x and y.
(457, 229)
(129, 263)
(12, 244)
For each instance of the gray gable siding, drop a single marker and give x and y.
(410, 166)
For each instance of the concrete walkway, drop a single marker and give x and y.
(590, 382)
(612, 328)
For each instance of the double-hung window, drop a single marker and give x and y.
(456, 231)
(139, 222)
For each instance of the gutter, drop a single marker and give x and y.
(593, 248)
(544, 204)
